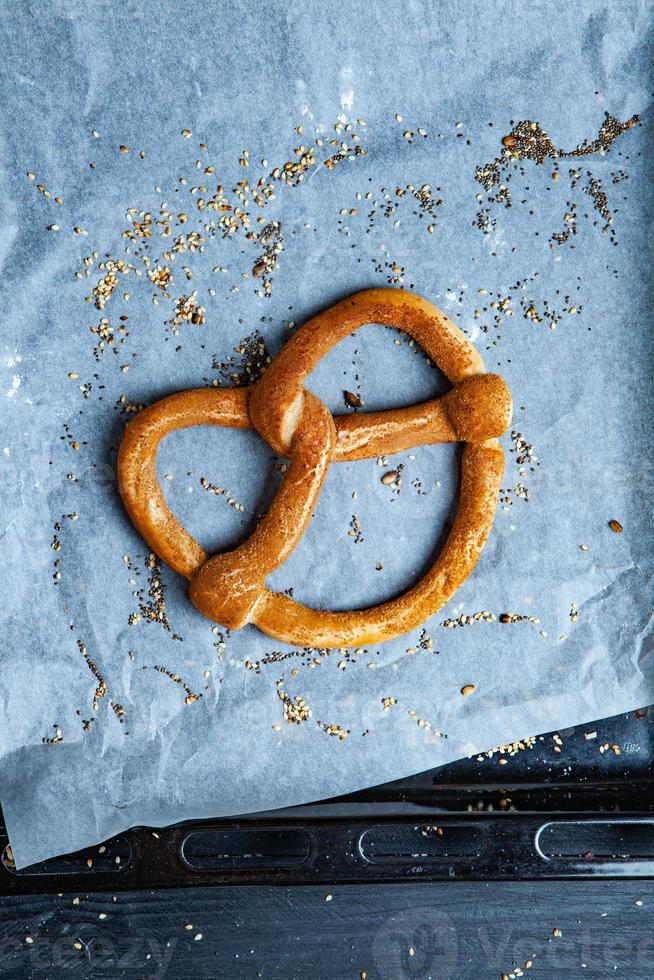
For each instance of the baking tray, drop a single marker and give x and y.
(578, 803)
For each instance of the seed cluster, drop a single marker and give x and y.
(55, 739)
(510, 749)
(337, 731)
(245, 369)
(190, 697)
(152, 605)
(221, 492)
(467, 620)
(101, 691)
(55, 544)
(105, 287)
(188, 310)
(529, 141)
(426, 725)
(527, 461)
(425, 642)
(310, 657)
(510, 617)
(296, 710)
(355, 530)
(271, 240)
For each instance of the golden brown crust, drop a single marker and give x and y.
(137, 476)
(230, 587)
(441, 340)
(476, 409)
(481, 474)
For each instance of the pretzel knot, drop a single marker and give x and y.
(230, 588)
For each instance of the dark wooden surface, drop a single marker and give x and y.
(471, 931)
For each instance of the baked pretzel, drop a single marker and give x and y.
(230, 587)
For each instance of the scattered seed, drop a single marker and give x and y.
(354, 401)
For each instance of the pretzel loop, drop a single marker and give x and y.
(230, 587)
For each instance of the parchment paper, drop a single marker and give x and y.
(438, 86)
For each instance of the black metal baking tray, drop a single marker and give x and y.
(578, 803)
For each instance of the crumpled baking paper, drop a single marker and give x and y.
(79, 83)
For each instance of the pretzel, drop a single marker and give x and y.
(229, 588)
